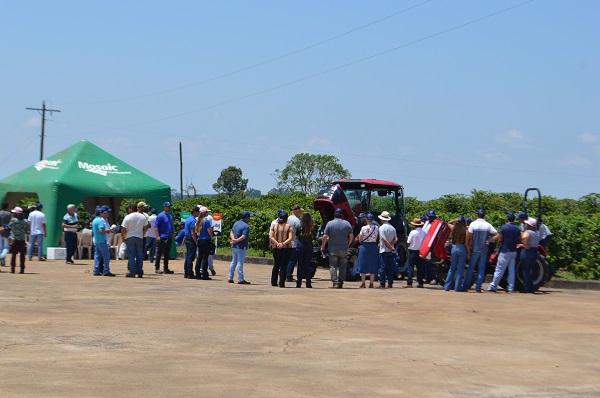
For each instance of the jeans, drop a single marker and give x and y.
(135, 255)
(202, 261)
(101, 252)
(150, 245)
(190, 256)
(528, 258)
(415, 259)
(40, 240)
(71, 241)
(477, 259)
(388, 269)
(505, 260)
(4, 247)
(304, 251)
(292, 263)
(338, 262)
(457, 265)
(281, 257)
(237, 262)
(164, 248)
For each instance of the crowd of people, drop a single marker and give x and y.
(147, 235)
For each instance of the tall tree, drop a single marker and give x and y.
(230, 182)
(307, 173)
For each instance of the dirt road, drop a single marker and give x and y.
(66, 333)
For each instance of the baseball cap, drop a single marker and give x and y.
(280, 212)
(510, 216)
(362, 215)
(203, 210)
(103, 209)
(39, 206)
(431, 213)
(167, 204)
(246, 214)
(522, 215)
(339, 210)
(17, 210)
(461, 218)
(369, 216)
(481, 212)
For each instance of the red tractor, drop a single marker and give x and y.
(356, 196)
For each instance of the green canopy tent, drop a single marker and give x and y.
(81, 173)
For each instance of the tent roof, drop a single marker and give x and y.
(86, 169)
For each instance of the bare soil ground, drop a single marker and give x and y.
(67, 333)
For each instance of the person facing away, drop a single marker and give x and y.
(337, 237)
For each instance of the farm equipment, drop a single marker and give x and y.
(355, 196)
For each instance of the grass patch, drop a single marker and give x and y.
(566, 275)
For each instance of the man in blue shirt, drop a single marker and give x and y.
(508, 237)
(190, 244)
(100, 245)
(163, 225)
(477, 250)
(239, 237)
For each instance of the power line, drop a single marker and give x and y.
(268, 61)
(331, 69)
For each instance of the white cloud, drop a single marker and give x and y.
(513, 138)
(575, 161)
(589, 138)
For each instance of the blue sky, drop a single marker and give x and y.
(445, 97)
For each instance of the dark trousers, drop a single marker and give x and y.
(528, 258)
(304, 251)
(202, 261)
(163, 250)
(281, 258)
(71, 241)
(190, 256)
(19, 247)
(415, 260)
(388, 269)
(292, 263)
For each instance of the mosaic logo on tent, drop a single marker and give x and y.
(47, 164)
(101, 169)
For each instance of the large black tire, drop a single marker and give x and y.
(402, 259)
(351, 272)
(539, 273)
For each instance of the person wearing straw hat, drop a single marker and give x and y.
(387, 242)
(18, 234)
(414, 241)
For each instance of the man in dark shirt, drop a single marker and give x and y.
(508, 238)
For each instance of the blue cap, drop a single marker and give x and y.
(39, 206)
(362, 215)
(468, 220)
(167, 204)
(282, 215)
(481, 212)
(153, 210)
(246, 214)
(431, 213)
(510, 216)
(461, 218)
(339, 210)
(522, 215)
(103, 209)
(280, 212)
(422, 218)
(369, 216)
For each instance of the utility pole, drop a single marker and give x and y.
(43, 123)
(181, 170)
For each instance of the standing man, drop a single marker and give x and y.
(338, 234)
(508, 239)
(99, 231)
(294, 222)
(164, 237)
(239, 238)
(5, 217)
(150, 246)
(37, 227)
(387, 240)
(133, 228)
(190, 244)
(69, 224)
(414, 241)
(477, 250)
(211, 267)
(429, 267)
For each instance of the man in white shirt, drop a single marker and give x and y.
(133, 228)
(387, 242)
(37, 226)
(414, 241)
(211, 268)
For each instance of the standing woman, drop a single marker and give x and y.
(203, 233)
(368, 254)
(305, 249)
(529, 253)
(18, 234)
(281, 236)
(69, 224)
(458, 256)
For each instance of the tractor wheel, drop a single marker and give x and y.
(402, 260)
(352, 270)
(539, 274)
